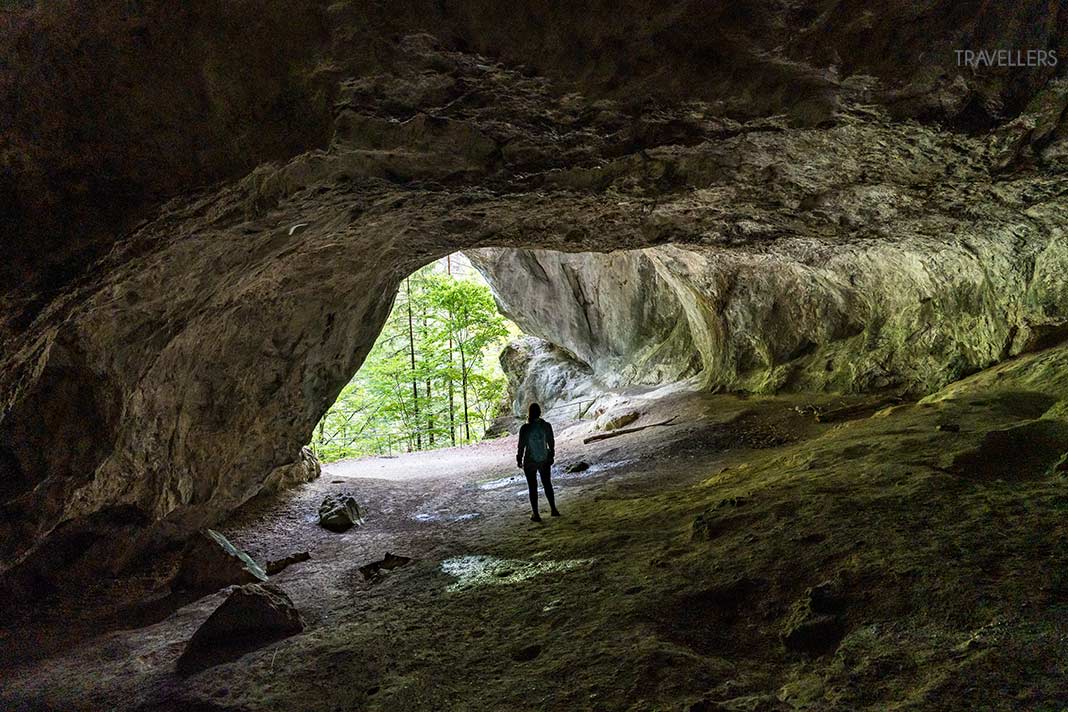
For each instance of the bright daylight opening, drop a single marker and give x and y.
(433, 378)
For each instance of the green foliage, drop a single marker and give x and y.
(431, 380)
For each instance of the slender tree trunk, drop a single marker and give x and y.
(415, 385)
(429, 400)
(452, 399)
(463, 382)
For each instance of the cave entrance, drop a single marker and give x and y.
(472, 338)
(433, 378)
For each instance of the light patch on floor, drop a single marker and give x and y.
(439, 517)
(480, 570)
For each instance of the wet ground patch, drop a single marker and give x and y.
(480, 570)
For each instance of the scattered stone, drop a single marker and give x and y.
(211, 562)
(949, 427)
(375, 570)
(580, 466)
(339, 512)
(252, 616)
(277, 565)
(526, 654)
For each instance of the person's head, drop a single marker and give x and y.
(534, 413)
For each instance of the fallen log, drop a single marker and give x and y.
(626, 431)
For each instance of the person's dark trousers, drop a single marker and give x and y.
(531, 470)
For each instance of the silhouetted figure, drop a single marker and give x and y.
(535, 455)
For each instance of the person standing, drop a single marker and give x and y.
(535, 456)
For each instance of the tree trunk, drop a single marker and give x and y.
(429, 398)
(463, 382)
(415, 384)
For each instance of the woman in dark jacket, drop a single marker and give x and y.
(535, 455)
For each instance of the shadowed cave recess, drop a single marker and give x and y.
(803, 232)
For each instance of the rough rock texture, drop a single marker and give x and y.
(306, 469)
(616, 419)
(211, 562)
(832, 202)
(251, 616)
(542, 373)
(942, 295)
(613, 312)
(339, 513)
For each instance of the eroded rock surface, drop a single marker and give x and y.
(251, 616)
(339, 513)
(211, 562)
(815, 209)
(540, 372)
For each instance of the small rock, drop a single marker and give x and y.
(377, 569)
(276, 566)
(211, 562)
(252, 616)
(949, 427)
(577, 467)
(339, 512)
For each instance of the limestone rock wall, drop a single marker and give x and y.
(613, 312)
(543, 373)
(910, 316)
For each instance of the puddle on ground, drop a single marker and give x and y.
(500, 482)
(442, 517)
(594, 469)
(481, 570)
(558, 474)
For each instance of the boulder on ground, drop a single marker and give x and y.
(211, 562)
(613, 420)
(339, 512)
(252, 616)
(580, 466)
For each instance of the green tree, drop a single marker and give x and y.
(441, 340)
(468, 317)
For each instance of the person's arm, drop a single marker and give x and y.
(522, 446)
(552, 443)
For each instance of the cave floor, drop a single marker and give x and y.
(748, 557)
